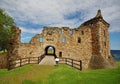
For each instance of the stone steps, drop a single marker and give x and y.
(48, 60)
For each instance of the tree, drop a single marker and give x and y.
(6, 23)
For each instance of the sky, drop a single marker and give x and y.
(32, 15)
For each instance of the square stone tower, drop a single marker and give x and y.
(101, 56)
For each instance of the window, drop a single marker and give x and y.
(105, 44)
(79, 40)
(63, 39)
(41, 39)
(60, 54)
(92, 24)
(31, 52)
(71, 32)
(104, 32)
(60, 31)
(82, 32)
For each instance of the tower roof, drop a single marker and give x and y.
(97, 18)
(99, 14)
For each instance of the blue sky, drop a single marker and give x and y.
(32, 15)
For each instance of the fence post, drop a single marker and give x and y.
(38, 60)
(29, 60)
(66, 60)
(72, 62)
(20, 62)
(80, 65)
(9, 64)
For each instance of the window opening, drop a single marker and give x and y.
(79, 40)
(71, 32)
(104, 32)
(63, 39)
(41, 39)
(82, 32)
(60, 54)
(60, 31)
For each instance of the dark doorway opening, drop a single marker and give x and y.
(50, 50)
(60, 54)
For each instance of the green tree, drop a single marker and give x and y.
(6, 23)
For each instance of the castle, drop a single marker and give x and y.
(89, 43)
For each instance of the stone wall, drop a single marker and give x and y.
(70, 48)
(14, 44)
(29, 50)
(3, 60)
(89, 43)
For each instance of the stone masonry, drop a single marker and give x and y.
(89, 43)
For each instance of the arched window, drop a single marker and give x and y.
(79, 40)
(60, 31)
(71, 32)
(41, 39)
(63, 39)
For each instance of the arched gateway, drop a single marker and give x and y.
(50, 50)
(50, 56)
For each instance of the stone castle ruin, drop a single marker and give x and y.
(89, 43)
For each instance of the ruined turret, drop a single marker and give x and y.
(14, 43)
(99, 15)
(101, 56)
(94, 20)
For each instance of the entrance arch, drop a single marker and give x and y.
(50, 50)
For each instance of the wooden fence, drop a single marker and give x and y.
(36, 60)
(24, 61)
(71, 62)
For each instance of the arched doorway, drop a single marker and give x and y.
(50, 50)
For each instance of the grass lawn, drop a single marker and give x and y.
(1, 51)
(62, 74)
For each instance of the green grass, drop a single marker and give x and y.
(1, 51)
(62, 74)
(50, 52)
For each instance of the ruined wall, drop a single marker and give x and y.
(71, 48)
(12, 52)
(3, 60)
(89, 43)
(29, 50)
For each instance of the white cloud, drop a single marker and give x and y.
(115, 30)
(52, 12)
(28, 33)
(31, 30)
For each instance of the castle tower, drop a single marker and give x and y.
(101, 57)
(100, 43)
(14, 43)
(100, 36)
